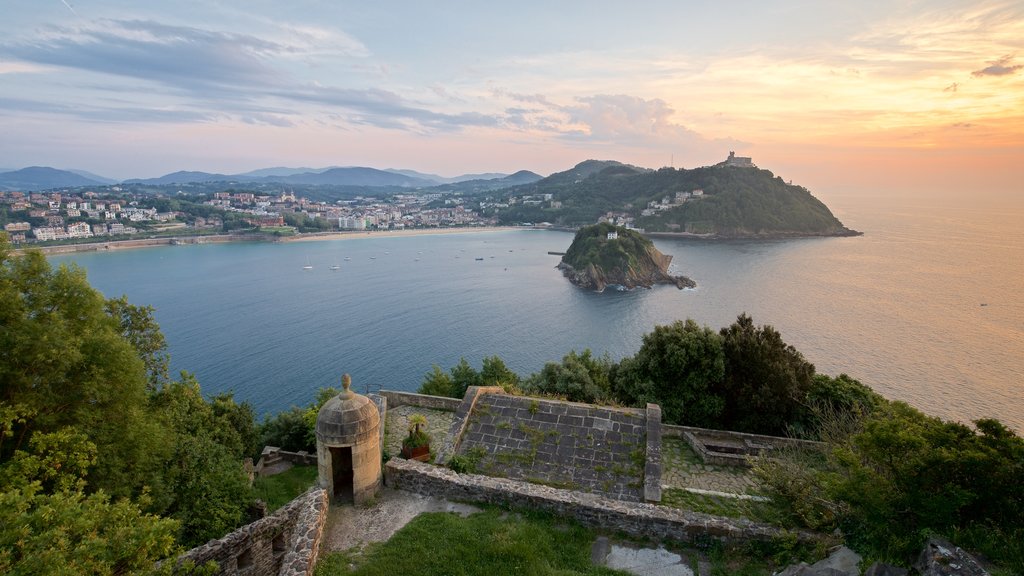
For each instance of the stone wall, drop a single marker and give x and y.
(284, 543)
(637, 519)
(740, 445)
(272, 455)
(396, 399)
(652, 456)
(464, 409)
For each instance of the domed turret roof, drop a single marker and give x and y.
(347, 419)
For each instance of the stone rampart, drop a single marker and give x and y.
(283, 544)
(396, 399)
(464, 409)
(637, 519)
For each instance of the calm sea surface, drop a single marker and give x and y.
(927, 307)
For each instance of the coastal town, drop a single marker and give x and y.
(68, 216)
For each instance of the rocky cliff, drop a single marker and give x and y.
(604, 255)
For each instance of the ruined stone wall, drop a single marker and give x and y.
(284, 543)
(700, 440)
(638, 519)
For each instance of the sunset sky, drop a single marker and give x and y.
(842, 95)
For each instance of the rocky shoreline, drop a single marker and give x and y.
(593, 279)
(845, 233)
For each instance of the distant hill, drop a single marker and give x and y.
(732, 202)
(184, 177)
(43, 178)
(355, 176)
(443, 180)
(280, 171)
(94, 177)
(521, 177)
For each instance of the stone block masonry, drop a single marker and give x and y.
(563, 444)
(638, 519)
(283, 544)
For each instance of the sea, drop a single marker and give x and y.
(925, 307)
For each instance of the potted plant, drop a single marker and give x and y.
(416, 446)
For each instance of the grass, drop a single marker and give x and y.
(720, 505)
(490, 543)
(280, 489)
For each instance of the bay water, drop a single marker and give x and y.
(926, 307)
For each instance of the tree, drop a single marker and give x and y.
(205, 487)
(48, 523)
(495, 373)
(65, 362)
(437, 383)
(579, 378)
(766, 380)
(679, 367)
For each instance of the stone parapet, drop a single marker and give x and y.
(284, 543)
(639, 519)
(396, 399)
(652, 461)
(465, 408)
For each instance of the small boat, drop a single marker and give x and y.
(307, 267)
(335, 267)
(479, 258)
(347, 258)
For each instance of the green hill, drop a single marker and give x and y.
(730, 201)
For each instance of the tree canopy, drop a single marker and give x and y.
(96, 441)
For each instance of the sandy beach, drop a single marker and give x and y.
(131, 244)
(357, 234)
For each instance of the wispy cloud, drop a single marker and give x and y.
(1000, 67)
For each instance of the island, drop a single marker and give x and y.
(605, 255)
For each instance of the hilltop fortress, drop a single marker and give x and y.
(738, 161)
(604, 467)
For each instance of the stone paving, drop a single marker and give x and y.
(397, 426)
(559, 444)
(682, 468)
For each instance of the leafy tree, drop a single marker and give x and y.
(48, 523)
(207, 489)
(495, 373)
(437, 383)
(295, 429)
(766, 380)
(461, 376)
(902, 475)
(680, 367)
(287, 430)
(142, 331)
(64, 361)
(579, 378)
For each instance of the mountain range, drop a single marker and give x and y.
(45, 178)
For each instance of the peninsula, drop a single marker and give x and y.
(605, 255)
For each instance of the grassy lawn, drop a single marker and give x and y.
(490, 543)
(280, 489)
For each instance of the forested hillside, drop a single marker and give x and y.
(723, 201)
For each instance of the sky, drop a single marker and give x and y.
(893, 94)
